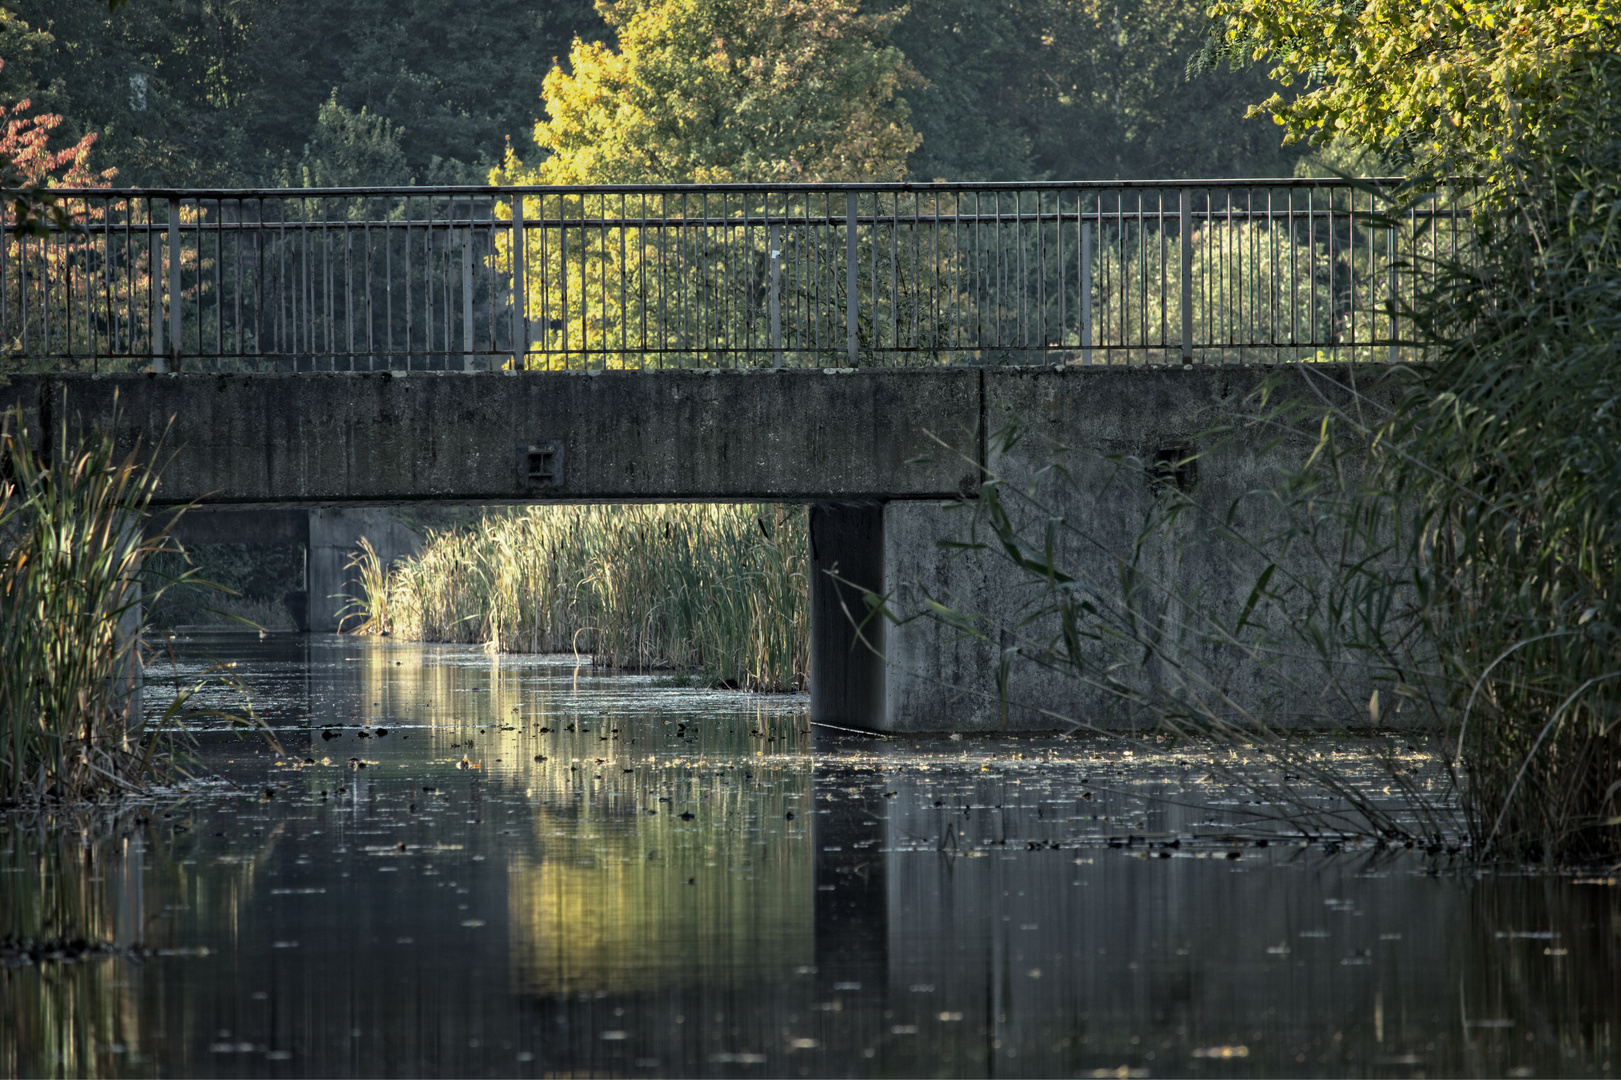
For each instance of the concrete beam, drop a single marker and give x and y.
(352, 439)
(206, 525)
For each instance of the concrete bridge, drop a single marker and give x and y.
(880, 456)
(323, 354)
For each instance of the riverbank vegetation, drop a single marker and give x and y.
(718, 591)
(72, 575)
(1442, 567)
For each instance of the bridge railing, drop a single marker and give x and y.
(721, 276)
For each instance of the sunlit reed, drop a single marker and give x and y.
(716, 590)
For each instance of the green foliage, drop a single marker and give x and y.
(218, 584)
(1078, 90)
(190, 92)
(351, 149)
(1446, 555)
(1511, 450)
(1455, 84)
(700, 91)
(198, 92)
(716, 589)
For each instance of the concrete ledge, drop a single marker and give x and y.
(325, 439)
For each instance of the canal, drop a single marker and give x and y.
(457, 863)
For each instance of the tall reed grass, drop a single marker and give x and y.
(72, 574)
(717, 590)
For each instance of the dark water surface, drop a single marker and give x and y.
(539, 870)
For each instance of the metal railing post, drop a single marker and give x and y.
(1390, 280)
(1187, 275)
(155, 276)
(520, 296)
(174, 282)
(852, 343)
(775, 244)
(467, 298)
(1086, 292)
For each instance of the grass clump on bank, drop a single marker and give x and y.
(719, 590)
(72, 571)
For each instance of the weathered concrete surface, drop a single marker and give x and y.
(202, 525)
(331, 542)
(333, 583)
(1106, 428)
(336, 439)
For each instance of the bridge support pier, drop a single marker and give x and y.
(846, 648)
(334, 540)
(330, 538)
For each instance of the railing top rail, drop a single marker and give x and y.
(491, 191)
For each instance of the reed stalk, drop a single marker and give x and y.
(72, 575)
(717, 590)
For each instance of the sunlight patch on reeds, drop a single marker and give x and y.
(720, 590)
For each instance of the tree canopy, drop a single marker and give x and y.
(726, 90)
(1450, 83)
(243, 92)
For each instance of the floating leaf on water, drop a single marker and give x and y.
(473, 923)
(1222, 1052)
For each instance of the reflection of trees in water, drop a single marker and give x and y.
(88, 901)
(588, 908)
(641, 901)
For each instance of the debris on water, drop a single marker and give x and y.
(18, 951)
(1223, 1053)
